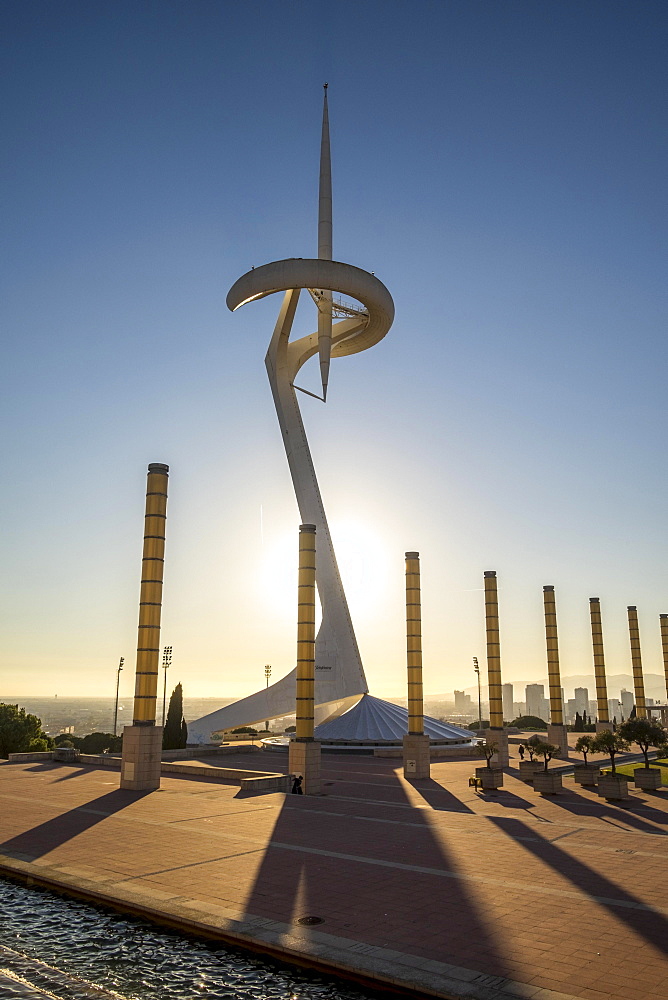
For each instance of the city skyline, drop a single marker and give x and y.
(511, 195)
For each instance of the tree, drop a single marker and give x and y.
(645, 733)
(584, 746)
(20, 732)
(175, 735)
(610, 743)
(529, 722)
(245, 729)
(487, 750)
(100, 743)
(578, 725)
(546, 750)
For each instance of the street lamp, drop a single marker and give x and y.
(166, 664)
(477, 670)
(267, 674)
(118, 681)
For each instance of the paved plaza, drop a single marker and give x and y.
(426, 884)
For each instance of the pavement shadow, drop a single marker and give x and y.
(57, 831)
(580, 805)
(376, 876)
(439, 797)
(640, 917)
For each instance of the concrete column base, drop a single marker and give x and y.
(417, 757)
(304, 759)
(500, 737)
(558, 734)
(142, 757)
(604, 727)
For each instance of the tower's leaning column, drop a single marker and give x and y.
(636, 663)
(142, 741)
(556, 730)
(602, 711)
(495, 733)
(415, 742)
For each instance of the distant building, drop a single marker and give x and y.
(628, 701)
(581, 700)
(593, 709)
(463, 704)
(507, 695)
(536, 702)
(614, 709)
(519, 709)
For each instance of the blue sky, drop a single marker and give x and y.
(499, 165)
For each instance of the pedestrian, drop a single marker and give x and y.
(297, 785)
(521, 751)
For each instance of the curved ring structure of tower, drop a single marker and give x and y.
(340, 679)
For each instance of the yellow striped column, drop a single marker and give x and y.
(304, 753)
(495, 733)
(636, 662)
(150, 597)
(664, 646)
(414, 645)
(556, 731)
(142, 741)
(306, 633)
(603, 721)
(417, 762)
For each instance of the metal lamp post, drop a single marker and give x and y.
(166, 664)
(267, 674)
(118, 681)
(477, 670)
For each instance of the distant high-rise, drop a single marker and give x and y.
(627, 700)
(581, 700)
(463, 703)
(536, 702)
(507, 699)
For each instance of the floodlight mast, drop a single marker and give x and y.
(339, 670)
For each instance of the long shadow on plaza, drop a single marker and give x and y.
(634, 812)
(54, 832)
(383, 879)
(638, 916)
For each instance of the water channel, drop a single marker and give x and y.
(56, 948)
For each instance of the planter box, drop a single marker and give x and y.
(491, 777)
(527, 770)
(613, 787)
(648, 778)
(547, 782)
(587, 774)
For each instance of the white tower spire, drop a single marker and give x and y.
(325, 248)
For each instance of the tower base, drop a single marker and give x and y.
(142, 757)
(558, 734)
(304, 759)
(417, 760)
(500, 737)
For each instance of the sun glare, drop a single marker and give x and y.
(363, 563)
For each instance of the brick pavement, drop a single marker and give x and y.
(426, 884)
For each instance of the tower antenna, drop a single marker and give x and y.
(325, 247)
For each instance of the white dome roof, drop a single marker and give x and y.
(372, 719)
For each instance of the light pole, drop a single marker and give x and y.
(166, 664)
(477, 670)
(267, 674)
(118, 681)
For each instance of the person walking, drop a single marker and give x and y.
(520, 750)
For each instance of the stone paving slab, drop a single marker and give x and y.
(428, 885)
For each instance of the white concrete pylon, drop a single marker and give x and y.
(339, 674)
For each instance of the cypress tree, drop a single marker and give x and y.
(175, 735)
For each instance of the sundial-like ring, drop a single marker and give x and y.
(332, 275)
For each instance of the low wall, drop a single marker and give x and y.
(434, 753)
